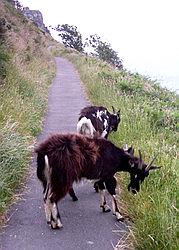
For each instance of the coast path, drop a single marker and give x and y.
(85, 227)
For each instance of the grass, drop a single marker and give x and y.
(14, 158)
(23, 104)
(28, 71)
(150, 123)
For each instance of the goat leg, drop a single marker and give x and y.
(96, 187)
(111, 186)
(103, 205)
(72, 194)
(55, 217)
(116, 210)
(51, 210)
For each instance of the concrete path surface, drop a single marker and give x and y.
(84, 225)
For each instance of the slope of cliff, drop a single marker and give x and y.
(26, 70)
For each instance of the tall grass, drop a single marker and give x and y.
(14, 157)
(22, 108)
(28, 71)
(149, 123)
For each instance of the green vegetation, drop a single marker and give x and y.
(26, 70)
(103, 51)
(150, 123)
(72, 38)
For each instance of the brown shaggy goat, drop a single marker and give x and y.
(65, 158)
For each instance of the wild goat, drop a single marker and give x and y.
(97, 121)
(65, 158)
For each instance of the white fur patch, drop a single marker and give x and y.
(119, 216)
(47, 211)
(105, 123)
(55, 216)
(54, 211)
(47, 169)
(99, 114)
(59, 224)
(104, 133)
(113, 205)
(85, 127)
(46, 162)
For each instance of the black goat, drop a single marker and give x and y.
(97, 121)
(63, 159)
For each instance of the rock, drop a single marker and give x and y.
(35, 16)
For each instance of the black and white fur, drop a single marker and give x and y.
(97, 121)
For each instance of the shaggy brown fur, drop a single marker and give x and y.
(63, 159)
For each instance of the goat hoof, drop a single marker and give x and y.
(120, 219)
(107, 210)
(75, 198)
(56, 225)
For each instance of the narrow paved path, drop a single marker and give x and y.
(85, 226)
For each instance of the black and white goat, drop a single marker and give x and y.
(63, 159)
(97, 121)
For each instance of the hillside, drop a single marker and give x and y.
(150, 122)
(26, 70)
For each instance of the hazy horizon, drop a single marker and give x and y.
(144, 33)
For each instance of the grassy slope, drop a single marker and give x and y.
(149, 122)
(27, 71)
(149, 118)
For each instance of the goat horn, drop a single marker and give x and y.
(113, 109)
(140, 155)
(150, 164)
(140, 160)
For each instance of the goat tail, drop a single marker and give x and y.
(85, 127)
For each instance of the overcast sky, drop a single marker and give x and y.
(145, 33)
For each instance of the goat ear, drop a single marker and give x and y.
(131, 150)
(113, 109)
(118, 113)
(125, 148)
(128, 150)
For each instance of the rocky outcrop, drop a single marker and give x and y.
(35, 16)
